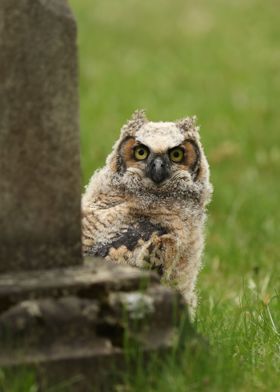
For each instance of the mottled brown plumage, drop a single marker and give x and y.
(146, 207)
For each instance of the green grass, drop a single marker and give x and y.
(219, 60)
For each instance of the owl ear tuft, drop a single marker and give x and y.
(139, 115)
(188, 124)
(136, 121)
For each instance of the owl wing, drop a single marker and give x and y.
(140, 232)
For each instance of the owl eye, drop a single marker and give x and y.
(141, 152)
(177, 155)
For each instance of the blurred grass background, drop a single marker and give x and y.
(220, 60)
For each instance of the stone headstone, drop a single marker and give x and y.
(39, 139)
(65, 318)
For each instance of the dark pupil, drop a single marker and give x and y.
(141, 152)
(176, 154)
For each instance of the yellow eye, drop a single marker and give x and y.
(141, 152)
(177, 154)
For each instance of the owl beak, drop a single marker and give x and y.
(158, 169)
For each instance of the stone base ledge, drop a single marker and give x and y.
(79, 317)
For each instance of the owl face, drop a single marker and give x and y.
(158, 152)
(159, 158)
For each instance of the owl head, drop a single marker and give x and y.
(160, 159)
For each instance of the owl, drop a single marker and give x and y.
(147, 206)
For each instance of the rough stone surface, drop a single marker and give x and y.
(83, 318)
(93, 280)
(39, 140)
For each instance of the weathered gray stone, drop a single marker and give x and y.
(45, 308)
(95, 279)
(81, 318)
(39, 140)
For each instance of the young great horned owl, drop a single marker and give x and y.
(146, 207)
